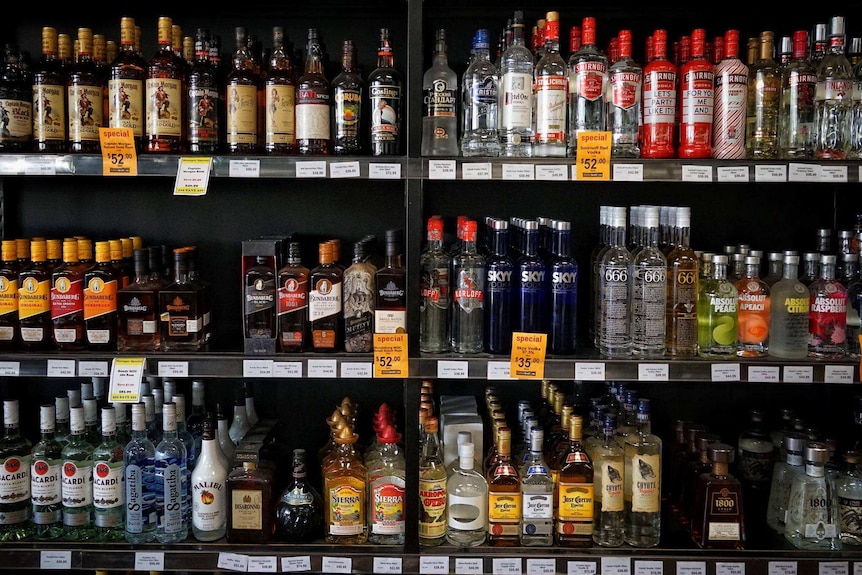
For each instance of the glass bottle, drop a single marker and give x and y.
(325, 313)
(432, 488)
(468, 294)
(136, 309)
(530, 313)
(250, 410)
(34, 306)
(435, 298)
(659, 101)
(313, 102)
(812, 512)
(697, 89)
(390, 288)
(643, 482)
(588, 84)
(259, 310)
(848, 491)
(614, 291)
(623, 100)
(537, 493)
(240, 424)
(10, 329)
(730, 98)
(515, 95)
(293, 302)
(440, 110)
(345, 488)
(280, 99)
(77, 481)
(243, 84)
(563, 304)
(649, 292)
(299, 511)
(165, 95)
(499, 289)
(16, 458)
(783, 472)
(109, 492)
(719, 522)
(827, 318)
(348, 93)
(171, 464)
(384, 92)
(466, 502)
(833, 98)
(85, 93)
(208, 488)
(181, 309)
(127, 77)
(717, 313)
(479, 136)
(753, 311)
(67, 301)
(195, 419)
(386, 476)
(789, 311)
(575, 491)
(764, 102)
(50, 123)
(250, 517)
(504, 494)
(141, 493)
(797, 129)
(228, 447)
(101, 283)
(609, 481)
(45, 469)
(551, 86)
(205, 104)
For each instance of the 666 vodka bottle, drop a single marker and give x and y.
(588, 78)
(516, 94)
(614, 312)
(625, 83)
(649, 291)
(468, 294)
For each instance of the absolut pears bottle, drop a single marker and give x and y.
(717, 313)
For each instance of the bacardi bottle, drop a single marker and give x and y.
(109, 493)
(15, 459)
(77, 481)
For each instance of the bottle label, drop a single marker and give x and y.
(45, 481)
(67, 297)
(388, 501)
(649, 306)
(358, 310)
(504, 508)
(15, 479)
(100, 298)
(170, 476)
(108, 485)
(698, 97)
(390, 321)
(435, 288)
(551, 96)
(77, 483)
(820, 531)
(297, 497)
(828, 320)
(682, 326)
(246, 509)
(346, 510)
(348, 107)
(483, 104)
(34, 297)
(126, 105)
(8, 295)
(386, 109)
(834, 89)
(625, 89)
(575, 501)
(517, 101)
(140, 325)
(537, 506)
(469, 291)
(439, 100)
(646, 486)
(241, 114)
(753, 314)
(724, 531)
(432, 517)
(280, 114)
(850, 512)
(16, 120)
(292, 296)
(140, 500)
(259, 296)
(164, 97)
(324, 299)
(203, 115)
(659, 97)
(49, 112)
(724, 514)
(467, 513)
(312, 121)
(590, 80)
(612, 487)
(85, 118)
(614, 309)
(208, 505)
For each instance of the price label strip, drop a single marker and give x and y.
(119, 157)
(390, 355)
(593, 159)
(528, 355)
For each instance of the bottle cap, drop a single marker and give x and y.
(388, 435)
(794, 441)
(466, 450)
(816, 452)
(720, 452)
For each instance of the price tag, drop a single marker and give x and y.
(55, 560)
(468, 566)
(762, 374)
(450, 369)
(803, 173)
(233, 562)
(441, 169)
(475, 171)
(344, 170)
(356, 370)
(119, 157)
(857, 568)
(765, 174)
(61, 368)
(387, 565)
(296, 564)
(725, 372)
(838, 374)
(799, 373)
(173, 369)
(653, 371)
(617, 566)
(697, 173)
(506, 566)
(126, 376)
(390, 355)
(41, 167)
(263, 564)
(581, 568)
(734, 174)
(93, 369)
(649, 567)
(337, 565)
(244, 169)
(782, 568)
(552, 172)
(12, 166)
(544, 567)
(193, 176)
(590, 371)
(691, 568)
(287, 369)
(528, 355)
(833, 174)
(499, 370)
(323, 368)
(257, 368)
(384, 171)
(520, 172)
(628, 172)
(433, 565)
(149, 561)
(593, 160)
(833, 568)
(10, 368)
(316, 169)
(730, 569)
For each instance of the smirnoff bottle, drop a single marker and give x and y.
(516, 95)
(588, 80)
(833, 98)
(827, 319)
(796, 130)
(552, 90)
(659, 102)
(625, 84)
(764, 91)
(730, 95)
(468, 295)
(697, 88)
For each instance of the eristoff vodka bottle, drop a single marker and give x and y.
(468, 295)
(170, 463)
(588, 79)
(516, 95)
(109, 494)
(435, 298)
(440, 119)
(140, 474)
(552, 90)
(479, 88)
(833, 99)
(77, 481)
(625, 84)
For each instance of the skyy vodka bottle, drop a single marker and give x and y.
(516, 95)
(563, 304)
(532, 288)
(499, 287)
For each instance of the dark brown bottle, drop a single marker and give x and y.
(101, 283)
(280, 100)
(16, 103)
(299, 511)
(384, 92)
(49, 98)
(67, 301)
(259, 312)
(10, 335)
(390, 288)
(250, 517)
(85, 98)
(293, 302)
(34, 306)
(348, 91)
(242, 98)
(313, 102)
(204, 100)
(166, 92)
(325, 301)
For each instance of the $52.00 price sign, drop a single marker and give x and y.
(593, 158)
(528, 355)
(390, 355)
(118, 152)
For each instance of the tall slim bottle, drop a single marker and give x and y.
(797, 130)
(659, 102)
(280, 99)
(730, 95)
(165, 95)
(313, 102)
(50, 123)
(551, 93)
(649, 292)
(243, 82)
(625, 87)
(614, 294)
(205, 103)
(384, 93)
(138, 458)
(348, 93)
(435, 298)
(432, 488)
(588, 81)
(479, 134)
(698, 99)
(468, 295)
(126, 79)
(45, 470)
(515, 95)
(764, 102)
(84, 96)
(532, 286)
(833, 98)
(563, 304)
(788, 317)
(643, 482)
(109, 491)
(440, 110)
(77, 481)
(170, 473)
(15, 458)
(682, 273)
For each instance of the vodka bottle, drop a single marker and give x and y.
(717, 313)
(228, 447)
(730, 96)
(625, 84)
(77, 481)
(435, 297)
(552, 88)
(138, 458)
(812, 510)
(659, 102)
(643, 482)
(848, 491)
(563, 304)
(797, 130)
(856, 113)
(171, 461)
(609, 480)
(479, 88)
(827, 317)
(537, 492)
(440, 117)
(532, 285)
(833, 98)
(45, 469)
(468, 295)
(788, 315)
(467, 502)
(614, 294)
(499, 289)
(588, 80)
(764, 103)
(515, 95)
(649, 292)
(109, 494)
(698, 99)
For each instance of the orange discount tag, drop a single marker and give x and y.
(118, 152)
(390, 355)
(593, 159)
(528, 355)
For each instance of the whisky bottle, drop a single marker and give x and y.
(34, 304)
(126, 86)
(504, 494)
(359, 302)
(136, 309)
(719, 519)
(345, 489)
(384, 92)
(84, 96)
(313, 102)
(15, 457)
(348, 93)
(243, 83)
(67, 301)
(77, 481)
(325, 316)
(390, 283)
(45, 469)
(280, 99)
(165, 95)
(180, 309)
(299, 511)
(764, 99)
(259, 313)
(10, 330)
(575, 491)
(50, 123)
(109, 492)
(100, 301)
(205, 103)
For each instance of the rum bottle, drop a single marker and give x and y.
(313, 102)
(138, 322)
(279, 99)
(45, 469)
(299, 511)
(67, 301)
(575, 491)
(588, 82)
(77, 481)
(345, 486)
(109, 492)
(434, 295)
(659, 102)
(127, 76)
(50, 123)
(15, 457)
(101, 283)
(10, 329)
(166, 95)
(697, 89)
(325, 316)
(719, 522)
(292, 312)
(243, 83)
(384, 92)
(205, 102)
(730, 97)
(259, 314)
(827, 319)
(209, 487)
(348, 93)
(359, 302)
(85, 95)
(34, 304)
(180, 309)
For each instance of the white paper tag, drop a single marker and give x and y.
(267, 564)
(55, 560)
(323, 368)
(838, 374)
(499, 370)
(763, 374)
(233, 562)
(650, 567)
(506, 566)
(12, 165)
(344, 170)
(697, 173)
(617, 566)
(475, 171)
(770, 173)
(61, 368)
(519, 172)
(384, 171)
(296, 564)
(10, 368)
(193, 176)
(590, 371)
(799, 373)
(653, 371)
(40, 167)
(542, 567)
(337, 565)
(126, 377)
(287, 369)
(691, 568)
(833, 568)
(149, 561)
(357, 370)
(833, 174)
(628, 172)
(92, 369)
(448, 369)
(315, 169)
(387, 565)
(803, 173)
(257, 368)
(729, 568)
(173, 369)
(468, 566)
(857, 568)
(581, 568)
(732, 174)
(441, 169)
(725, 372)
(552, 172)
(244, 169)
(433, 565)
(782, 568)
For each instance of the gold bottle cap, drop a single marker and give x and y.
(9, 250)
(111, 49)
(324, 251)
(116, 249)
(188, 48)
(127, 31)
(49, 40)
(346, 435)
(165, 33)
(348, 408)
(23, 248)
(38, 250)
(545, 388)
(176, 35)
(337, 421)
(137, 38)
(576, 427)
(85, 249)
(558, 402)
(103, 251)
(128, 247)
(552, 16)
(64, 46)
(423, 415)
(137, 243)
(85, 42)
(70, 251)
(431, 425)
(55, 249)
(100, 47)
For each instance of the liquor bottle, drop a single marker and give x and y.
(783, 471)
(181, 309)
(313, 102)
(537, 495)
(16, 458)
(280, 99)
(466, 502)
(125, 273)
(812, 512)
(504, 494)
(717, 314)
(92, 423)
(61, 414)
(499, 289)
(240, 424)
(250, 411)
(435, 298)
(575, 488)
(468, 295)
(10, 329)
(789, 311)
(588, 82)
(764, 103)
(188, 440)
(243, 82)
(208, 488)
(731, 94)
(348, 93)
(259, 312)
(797, 130)
(77, 481)
(171, 462)
(101, 283)
(609, 481)
(386, 476)
(292, 316)
(390, 288)
(623, 100)
(67, 301)
(775, 269)
(643, 482)
(848, 492)
(440, 109)
(613, 316)
(195, 419)
(753, 311)
(479, 136)
(563, 304)
(34, 304)
(325, 302)
(515, 95)
(250, 516)
(551, 94)
(345, 487)
(127, 76)
(228, 447)
(205, 104)
(85, 91)
(833, 98)
(432, 487)
(384, 92)
(532, 285)
(49, 98)
(719, 522)
(659, 101)
(45, 468)
(165, 95)
(697, 90)
(299, 510)
(136, 309)
(109, 490)
(827, 318)
(649, 292)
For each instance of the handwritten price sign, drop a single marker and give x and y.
(528, 355)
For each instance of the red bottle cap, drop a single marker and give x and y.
(800, 44)
(588, 25)
(731, 44)
(388, 435)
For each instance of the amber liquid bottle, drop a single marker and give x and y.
(348, 91)
(292, 306)
(384, 93)
(101, 283)
(205, 106)
(280, 100)
(719, 522)
(345, 492)
(166, 94)
(136, 309)
(504, 494)
(67, 301)
(575, 492)
(16, 102)
(181, 309)
(49, 98)
(85, 98)
(241, 98)
(126, 80)
(34, 305)
(10, 336)
(251, 514)
(313, 102)
(325, 302)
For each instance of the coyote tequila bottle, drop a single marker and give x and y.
(643, 482)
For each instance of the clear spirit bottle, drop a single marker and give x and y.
(537, 495)
(730, 97)
(240, 424)
(797, 128)
(764, 103)
(551, 93)
(848, 491)
(386, 478)
(575, 488)
(209, 488)
(15, 458)
(228, 447)
(515, 95)
(188, 440)
(77, 481)
(719, 522)
(466, 502)
(625, 85)
(613, 319)
(432, 488)
(440, 115)
(833, 98)
(109, 493)
(827, 318)
(643, 460)
(479, 88)
(588, 83)
(783, 473)
(434, 296)
(609, 480)
(141, 492)
(717, 313)
(682, 285)
(45, 469)
(468, 295)
(812, 518)
(171, 461)
(753, 311)
(649, 292)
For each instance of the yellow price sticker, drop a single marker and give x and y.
(119, 157)
(528, 355)
(593, 159)
(390, 355)
(126, 376)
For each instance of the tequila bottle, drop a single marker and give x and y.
(719, 522)
(435, 298)
(764, 103)
(588, 83)
(717, 313)
(537, 495)
(515, 95)
(479, 88)
(466, 502)
(575, 488)
(504, 494)
(623, 99)
(345, 490)
(77, 481)
(833, 98)
(643, 482)
(609, 479)
(551, 93)
(45, 469)
(386, 478)
(827, 318)
(15, 458)
(797, 130)
(138, 458)
(812, 518)
(848, 491)
(109, 491)
(783, 473)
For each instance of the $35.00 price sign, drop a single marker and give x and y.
(528, 355)
(593, 158)
(118, 152)
(390, 355)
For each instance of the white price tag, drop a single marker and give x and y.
(499, 370)
(316, 169)
(552, 172)
(581, 568)
(337, 565)
(384, 171)
(617, 566)
(628, 172)
(10, 368)
(40, 167)
(92, 369)
(838, 374)
(799, 373)
(441, 169)
(590, 371)
(344, 170)
(244, 169)
(542, 567)
(782, 568)
(803, 173)
(356, 370)
(173, 369)
(697, 173)
(650, 567)
(518, 172)
(833, 568)
(771, 173)
(257, 368)
(287, 369)
(653, 371)
(730, 569)
(434, 565)
(387, 565)
(506, 566)
(61, 368)
(448, 369)
(691, 568)
(725, 372)
(233, 562)
(55, 560)
(733, 174)
(763, 374)
(296, 564)
(857, 568)
(149, 561)
(12, 165)
(262, 564)
(475, 171)
(468, 566)
(833, 174)
(323, 368)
